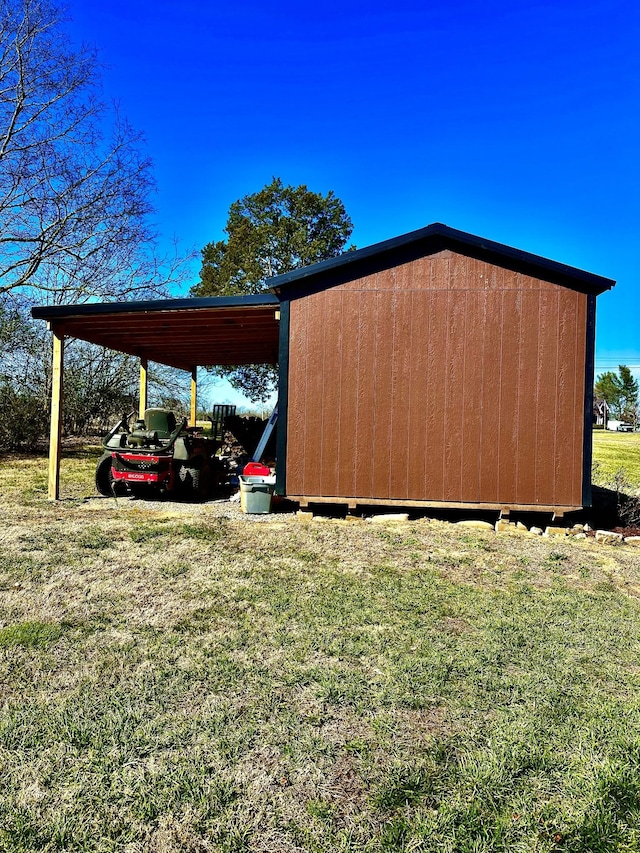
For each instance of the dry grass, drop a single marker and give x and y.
(183, 678)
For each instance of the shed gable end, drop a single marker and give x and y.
(445, 270)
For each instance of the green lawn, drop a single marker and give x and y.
(178, 678)
(615, 451)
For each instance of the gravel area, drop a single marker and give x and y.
(218, 508)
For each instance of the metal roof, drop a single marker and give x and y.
(426, 241)
(182, 333)
(227, 330)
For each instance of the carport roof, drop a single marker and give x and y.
(182, 333)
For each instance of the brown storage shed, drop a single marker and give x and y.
(437, 369)
(434, 369)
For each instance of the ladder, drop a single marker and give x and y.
(266, 435)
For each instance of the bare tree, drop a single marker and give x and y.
(75, 218)
(74, 202)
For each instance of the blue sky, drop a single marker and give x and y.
(519, 122)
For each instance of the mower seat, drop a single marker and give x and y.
(160, 421)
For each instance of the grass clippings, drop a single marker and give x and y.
(180, 678)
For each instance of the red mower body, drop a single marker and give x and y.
(159, 455)
(137, 468)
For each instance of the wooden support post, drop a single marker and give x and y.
(194, 396)
(142, 408)
(55, 434)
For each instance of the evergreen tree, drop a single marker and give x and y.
(270, 232)
(628, 395)
(620, 392)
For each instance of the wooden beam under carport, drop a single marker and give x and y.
(194, 397)
(144, 392)
(55, 431)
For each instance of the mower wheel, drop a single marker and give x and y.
(196, 479)
(104, 476)
(202, 484)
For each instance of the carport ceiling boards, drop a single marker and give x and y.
(182, 333)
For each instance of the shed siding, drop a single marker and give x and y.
(444, 379)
